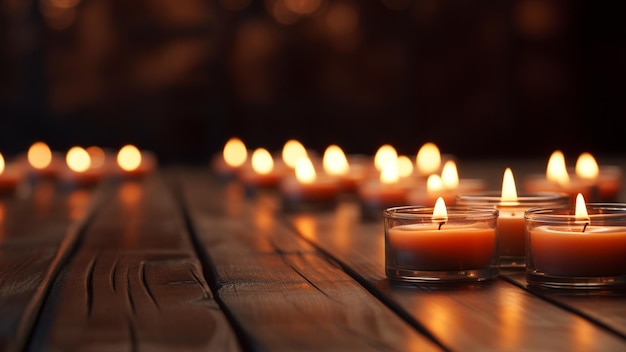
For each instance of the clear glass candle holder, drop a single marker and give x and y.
(511, 229)
(563, 251)
(422, 248)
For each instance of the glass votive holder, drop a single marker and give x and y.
(563, 251)
(426, 249)
(511, 229)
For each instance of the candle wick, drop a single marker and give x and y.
(441, 223)
(585, 227)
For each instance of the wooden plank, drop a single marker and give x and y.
(605, 308)
(135, 283)
(283, 294)
(38, 229)
(491, 316)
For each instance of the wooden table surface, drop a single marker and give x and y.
(181, 261)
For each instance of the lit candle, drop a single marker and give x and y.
(306, 186)
(428, 159)
(43, 162)
(292, 151)
(78, 171)
(10, 176)
(231, 159)
(440, 244)
(133, 162)
(447, 186)
(262, 171)
(584, 247)
(557, 179)
(336, 163)
(511, 206)
(606, 179)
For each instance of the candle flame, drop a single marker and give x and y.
(434, 184)
(581, 208)
(389, 173)
(292, 151)
(405, 166)
(440, 213)
(1, 163)
(509, 191)
(235, 152)
(384, 155)
(305, 172)
(428, 158)
(97, 156)
(335, 161)
(587, 167)
(78, 159)
(262, 161)
(557, 170)
(39, 155)
(450, 175)
(129, 157)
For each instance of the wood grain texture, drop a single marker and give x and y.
(38, 229)
(485, 317)
(134, 284)
(284, 294)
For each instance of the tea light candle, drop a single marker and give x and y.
(583, 247)
(44, 162)
(447, 186)
(133, 163)
(375, 195)
(336, 163)
(78, 171)
(233, 157)
(306, 186)
(440, 244)
(511, 206)
(262, 171)
(10, 176)
(558, 179)
(606, 179)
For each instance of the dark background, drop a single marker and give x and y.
(478, 78)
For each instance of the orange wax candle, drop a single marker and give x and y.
(568, 251)
(44, 162)
(451, 247)
(307, 186)
(233, 156)
(583, 247)
(262, 171)
(78, 171)
(438, 244)
(132, 162)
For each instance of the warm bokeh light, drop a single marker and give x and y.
(581, 208)
(384, 155)
(235, 152)
(389, 173)
(556, 170)
(292, 151)
(428, 158)
(302, 7)
(335, 161)
(440, 213)
(509, 191)
(305, 172)
(587, 166)
(39, 155)
(97, 156)
(78, 159)
(1, 163)
(434, 184)
(129, 157)
(262, 161)
(405, 166)
(450, 175)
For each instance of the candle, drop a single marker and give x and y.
(584, 247)
(606, 179)
(440, 244)
(511, 206)
(336, 163)
(558, 179)
(132, 162)
(78, 171)
(306, 187)
(233, 156)
(42, 161)
(10, 176)
(262, 171)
